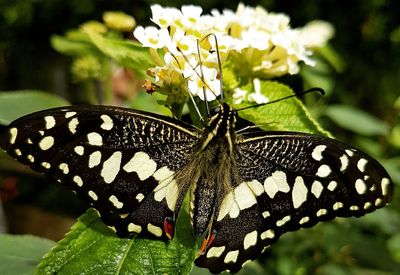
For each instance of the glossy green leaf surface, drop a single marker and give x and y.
(125, 52)
(285, 115)
(92, 248)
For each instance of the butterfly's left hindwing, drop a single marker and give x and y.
(289, 181)
(122, 161)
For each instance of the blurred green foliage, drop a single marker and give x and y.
(359, 69)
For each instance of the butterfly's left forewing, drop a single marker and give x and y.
(122, 161)
(289, 181)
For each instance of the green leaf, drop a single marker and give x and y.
(285, 115)
(73, 47)
(14, 104)
(20, 254)
(92, 248)
(356, 120)
(125, 52)
(394, 246)
(149, 103)
(385, 219)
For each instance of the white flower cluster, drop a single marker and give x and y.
(258, 44)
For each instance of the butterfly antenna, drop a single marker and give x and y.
(312, 90)
(190, 95)
(201, 75)
(219, 63)
(202, 79)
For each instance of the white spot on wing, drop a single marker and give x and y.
(18, 152)
(256, 187)
(321, 212)
(317, 188)
(323, 171)
(244, 197)
(332, 185)
(139, 197)
(107, 122)
(134, 228)
(94, 159)
(299, 192)
(344, 162)
(31, 158)
(13, 135)
(155, 230)
(354, 208)
(64, 168)
(317, 152)
(50, 122)
(266, 214)
(167, 187)
(46, 165)
(111, 167)
(250, 239)
(78, 180)
(79, 150)
(337, 205)
(304, 220)
(46, 143)
(367, 205)
(269, 234)
(349, 152)
(231, 256)
(283, 221)
(215, 252)
(385, 186)
(226, 206)
(69, 114)
(142, 165)
(72, 125)
(114, 200)
(93, 195)
(163, 174)
(275, 183)
(95, 139)
(361, 164)
(361, 187)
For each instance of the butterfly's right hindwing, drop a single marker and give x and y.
(122, 161)
(288, 181)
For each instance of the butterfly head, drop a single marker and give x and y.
(222, 120)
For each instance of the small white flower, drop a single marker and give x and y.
(163, 17)
(256, 96)
(238, 95)
(187, 45)
(192, 13)
(256, 39)
(211, 84)
(152, 37)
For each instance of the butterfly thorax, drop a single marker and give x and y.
(213, 167)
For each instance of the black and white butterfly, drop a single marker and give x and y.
(245, 189)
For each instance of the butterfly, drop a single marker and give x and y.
(246, 188)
